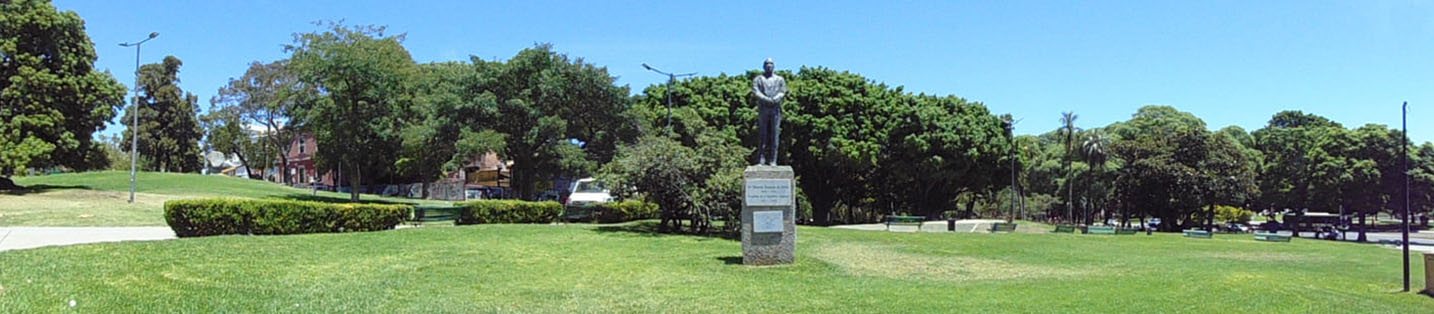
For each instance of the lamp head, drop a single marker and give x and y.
(154, 34)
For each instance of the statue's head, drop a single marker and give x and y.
(769, 66)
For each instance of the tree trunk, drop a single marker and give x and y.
(1210, 221)
(1362, 226)
(249, 170)
(424, 194)
(354, 182)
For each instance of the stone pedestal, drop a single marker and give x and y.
(1429, 274)
(769, 229)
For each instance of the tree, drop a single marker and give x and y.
(225, 132)
(362, 74)
(939, 149)
(687, 183)
(1068, 126)
(558, 116)
(1164, 150)
(53, 98)
(169, 132)
(1094, 150)
(447, 125)
(268, 95)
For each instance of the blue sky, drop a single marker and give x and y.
(1228, 62)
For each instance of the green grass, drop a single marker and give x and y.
(587, 268)
(101, 198)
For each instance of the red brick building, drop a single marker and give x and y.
(301, 162)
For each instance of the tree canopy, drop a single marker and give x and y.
(53, 98)
(169, 130)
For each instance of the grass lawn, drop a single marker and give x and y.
(101, 198)
(620, 268)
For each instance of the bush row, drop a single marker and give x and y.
(513, 211)
(628, 210)
(205, 217)
(508, 211)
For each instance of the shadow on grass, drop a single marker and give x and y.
(331, 199)
(42, 188)
(649, 228)
(730, 260)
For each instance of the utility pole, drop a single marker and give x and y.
(134, 126)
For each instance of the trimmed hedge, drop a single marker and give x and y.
(508, 211)
(205, 217)
(628, 210)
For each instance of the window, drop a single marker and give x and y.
(301, 145)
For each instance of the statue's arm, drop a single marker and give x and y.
(781, 91)
(757, 90)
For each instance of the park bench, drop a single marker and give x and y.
(1100, 230)
(1002, 227)
(1197, 233)
(434, 213)
(904, 220)
(1271, 237)
(1122, 231)
(1064, 229)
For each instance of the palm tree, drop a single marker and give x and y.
(1093, 151)
(1068, 124)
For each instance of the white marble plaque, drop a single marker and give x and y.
(769, 192)
(767, 221)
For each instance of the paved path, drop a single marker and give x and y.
(967, 225)
(15, 238)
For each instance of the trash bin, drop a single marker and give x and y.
(950, 224)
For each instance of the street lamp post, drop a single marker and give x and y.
(1404, 120)
(134, 125)
(671, 78)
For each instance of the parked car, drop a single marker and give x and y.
(585, 193)
(1235, 228)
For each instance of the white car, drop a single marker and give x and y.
(586, 193)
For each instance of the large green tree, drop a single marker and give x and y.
(225, 132)
(1164, 150)
(267, 95)
(559, 116)
(363, 75)
(53, 99)
(447, 125)
(169, 131)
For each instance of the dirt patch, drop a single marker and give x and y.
(867, 259)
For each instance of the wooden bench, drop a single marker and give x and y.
(434, 213)
(904, 220)
(1064, 229)
(1002, 227)
(1197, 233)
(1100, 230)
(1271, 237)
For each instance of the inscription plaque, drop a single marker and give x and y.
(769, 192)
(767, 221)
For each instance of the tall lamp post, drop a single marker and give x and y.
(134, 105)
(1404, 120)
(671, 78)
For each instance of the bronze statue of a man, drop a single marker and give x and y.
(769, 88)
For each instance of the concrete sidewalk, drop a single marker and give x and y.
(15, 238)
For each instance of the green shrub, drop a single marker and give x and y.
(628, 210)
(508, 211)
(205, 217)
(1233, 214)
